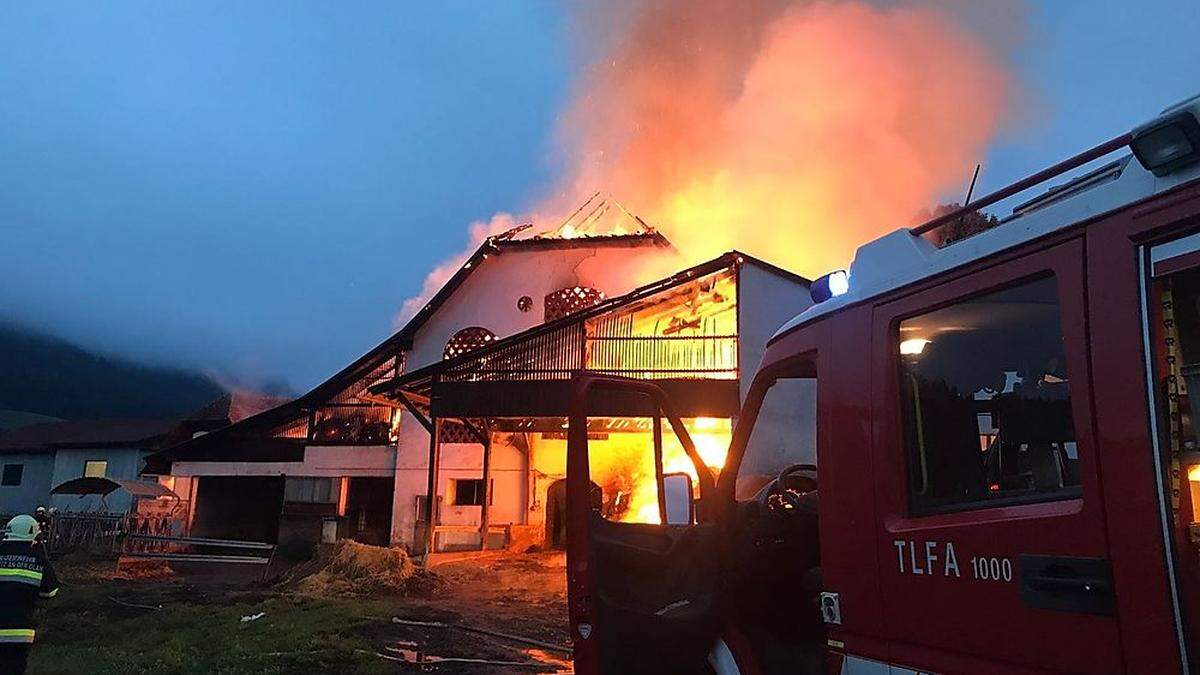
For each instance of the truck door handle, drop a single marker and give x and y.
(1066, 583)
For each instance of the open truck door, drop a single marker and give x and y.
(641, 574)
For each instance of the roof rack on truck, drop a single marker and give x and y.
(1167, 149)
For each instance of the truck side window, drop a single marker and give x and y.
(986, 402)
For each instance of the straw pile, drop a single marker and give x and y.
(351, 568)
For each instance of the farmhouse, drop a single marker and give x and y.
(467, 401)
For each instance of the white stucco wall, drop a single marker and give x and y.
(488, 297)
(765, 301)
(457, 461)
(785, 432)
(324, 461)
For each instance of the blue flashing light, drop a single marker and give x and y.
(830, 286)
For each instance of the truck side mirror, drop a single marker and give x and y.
(677, 494)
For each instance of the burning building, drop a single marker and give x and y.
(450, 435)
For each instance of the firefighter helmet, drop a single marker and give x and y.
(22, 528)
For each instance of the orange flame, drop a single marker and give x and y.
(791, 131)
(623, 465)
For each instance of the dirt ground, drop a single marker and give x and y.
(520, 594)
(181, 624)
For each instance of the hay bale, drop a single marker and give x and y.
(80, 566)
(137, 569)
(355, 569)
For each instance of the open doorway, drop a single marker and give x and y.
(369, 510)
(775, 565)
(245, 508)
(1173, 314)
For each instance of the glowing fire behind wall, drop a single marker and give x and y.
(622, 464)
(790, 130)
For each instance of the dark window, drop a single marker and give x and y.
(469, 492)
(986, 402)
(12, 474)
(309, 490)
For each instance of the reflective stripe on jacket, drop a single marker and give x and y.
(8, 635)
(25, 577)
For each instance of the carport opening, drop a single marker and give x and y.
(245, 508)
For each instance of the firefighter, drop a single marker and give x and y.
(43, 520)
(25, 576)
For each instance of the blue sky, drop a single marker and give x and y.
(255, 188)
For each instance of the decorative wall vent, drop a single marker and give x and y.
(569, 300)
(524, 303)
(466, 340)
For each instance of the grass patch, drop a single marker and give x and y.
(84, 631)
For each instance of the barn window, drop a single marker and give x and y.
(309, 490)
(569, 300)
(469, 492)
(12, 474)
(468, 339)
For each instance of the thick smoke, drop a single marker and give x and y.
(791, 131)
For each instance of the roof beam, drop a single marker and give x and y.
(412, 410)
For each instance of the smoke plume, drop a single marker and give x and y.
(793, 131)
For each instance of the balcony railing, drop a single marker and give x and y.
(559, 354)
(659, 357)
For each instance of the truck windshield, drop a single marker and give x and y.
(784, 434)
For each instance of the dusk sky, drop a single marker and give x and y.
(254, 189)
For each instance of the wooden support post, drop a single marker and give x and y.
(431, 489)
(487, 490)
(658, 466)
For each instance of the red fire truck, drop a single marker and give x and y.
(1006, 471)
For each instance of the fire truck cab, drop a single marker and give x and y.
(1005, 475)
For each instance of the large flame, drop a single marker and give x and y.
(790, 130)
(623, 465)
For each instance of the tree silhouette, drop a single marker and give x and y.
(972, 222)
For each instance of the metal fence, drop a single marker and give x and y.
(198, 549)
(103, 533)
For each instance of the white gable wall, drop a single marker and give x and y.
(785, 432)
(766, 301)
(488, 298)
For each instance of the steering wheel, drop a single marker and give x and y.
(783, 498)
